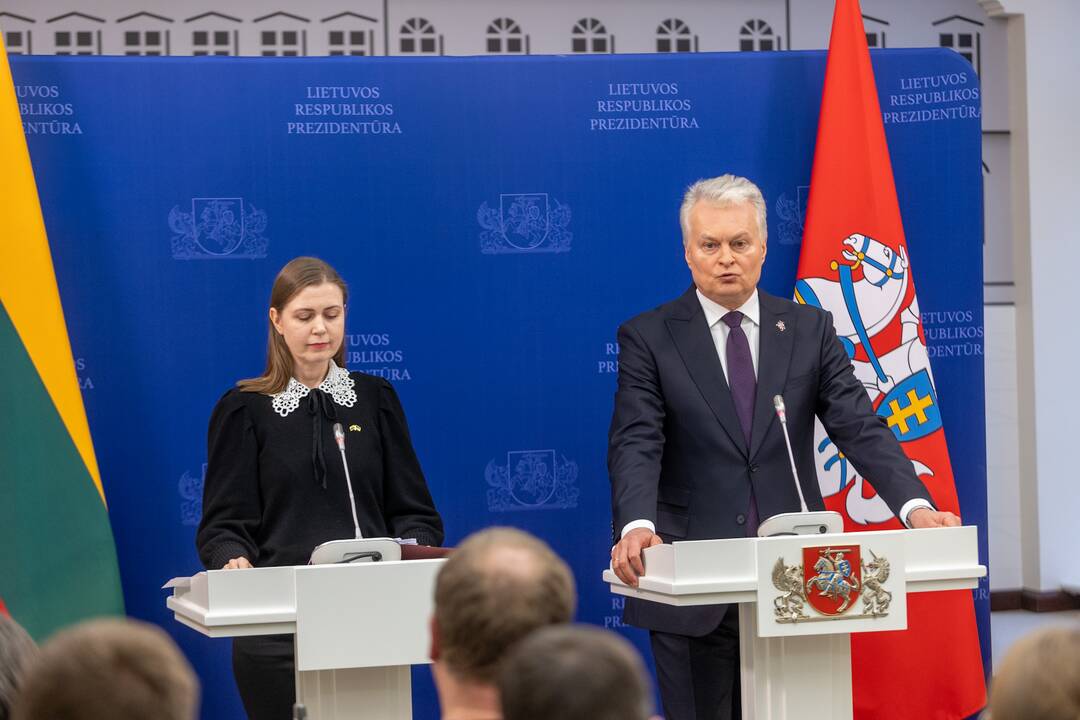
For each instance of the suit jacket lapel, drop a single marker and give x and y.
(694, 341)
(774, 358)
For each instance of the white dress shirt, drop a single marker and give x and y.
(751, 326)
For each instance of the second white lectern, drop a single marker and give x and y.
(801, 597)
(358, 627)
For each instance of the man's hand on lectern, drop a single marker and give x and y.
(237, 563)
(926, 518)
(626, 558)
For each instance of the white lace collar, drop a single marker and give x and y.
(338, 385)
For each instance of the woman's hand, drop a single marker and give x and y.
(237, 563)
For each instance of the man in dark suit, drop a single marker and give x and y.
(695, 451)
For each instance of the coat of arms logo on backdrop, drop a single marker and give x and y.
(218, 228)
(532, 480)
(525, 223)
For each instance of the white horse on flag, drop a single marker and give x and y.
(897, 379)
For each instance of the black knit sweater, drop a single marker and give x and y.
(264, 500)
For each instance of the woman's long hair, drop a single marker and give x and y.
(298, 273)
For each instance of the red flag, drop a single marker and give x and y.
(855, 264)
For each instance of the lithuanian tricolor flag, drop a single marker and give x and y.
(57, 557)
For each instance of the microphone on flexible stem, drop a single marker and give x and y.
(359, 548)
(781, 412)
(339, 438)
(803, 522)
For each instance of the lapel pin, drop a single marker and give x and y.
(354, 428)
(781, 326)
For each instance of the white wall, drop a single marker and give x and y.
(1002, 451)
(1044, 65)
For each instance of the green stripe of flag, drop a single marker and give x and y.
(57, 555)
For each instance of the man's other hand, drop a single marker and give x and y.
(926, 518)
(626, 558)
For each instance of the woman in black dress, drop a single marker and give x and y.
(275, 486)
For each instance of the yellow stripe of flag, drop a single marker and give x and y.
(28, 288)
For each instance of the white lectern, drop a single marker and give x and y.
(358, 627)
(801, 597)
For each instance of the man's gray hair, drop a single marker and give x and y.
(724, 191)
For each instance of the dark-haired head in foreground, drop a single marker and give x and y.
(574, 672)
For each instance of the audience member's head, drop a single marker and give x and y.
(17, 650)
(574, 672)
(498, 586)
(115, 669)
(1039, 679)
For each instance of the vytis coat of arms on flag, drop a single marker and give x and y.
(867, 288)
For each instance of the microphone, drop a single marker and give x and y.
(781, 412)
(805, 522)
(339, 438)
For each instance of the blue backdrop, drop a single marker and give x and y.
(496, 219)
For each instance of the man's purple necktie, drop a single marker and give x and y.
(743, 384)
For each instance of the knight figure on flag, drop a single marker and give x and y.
(867, 288)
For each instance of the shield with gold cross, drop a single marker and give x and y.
(911, 407)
